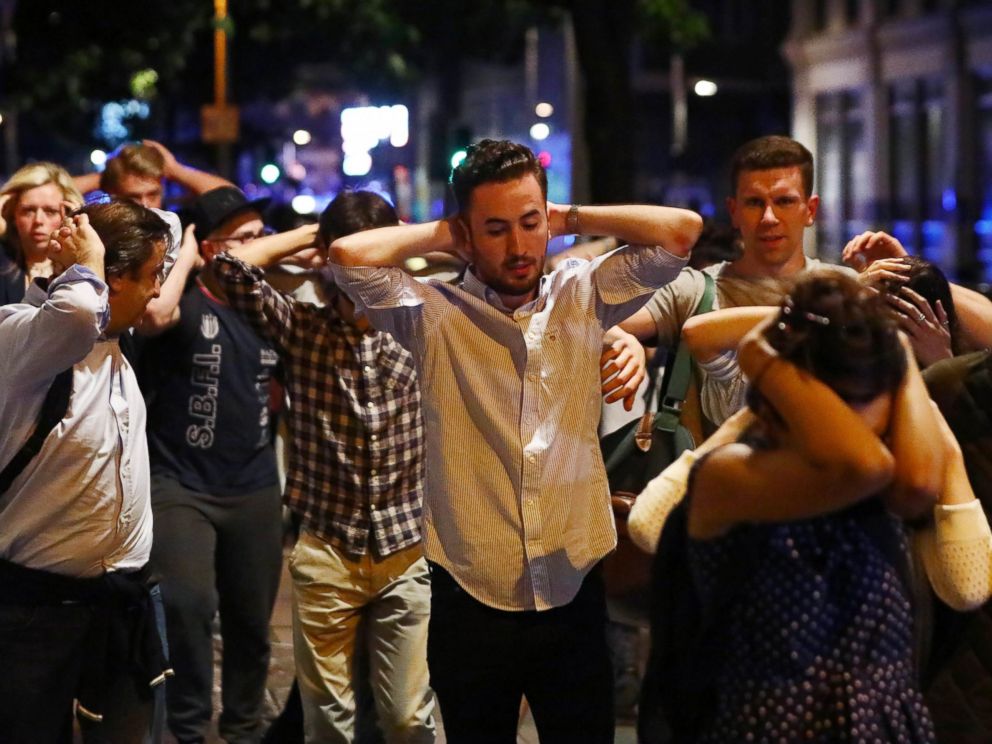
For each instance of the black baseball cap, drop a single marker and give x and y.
(213, 208)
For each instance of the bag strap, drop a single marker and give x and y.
(674, 388)
(53, 409)
(677, 385)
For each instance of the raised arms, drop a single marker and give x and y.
(676, 230)
(826, 456)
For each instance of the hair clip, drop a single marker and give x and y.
(818, 319)
(787, 312)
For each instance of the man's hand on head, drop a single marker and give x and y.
(76, 242)
(309, 253)
(884, 271)
(868, 247)
(170, 164)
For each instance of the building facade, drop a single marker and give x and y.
(894, 97)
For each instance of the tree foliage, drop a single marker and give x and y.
(71, 57)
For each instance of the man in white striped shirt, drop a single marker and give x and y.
(516, 504)
(77, 613)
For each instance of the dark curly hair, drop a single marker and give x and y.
(493, 161)
(841, 333)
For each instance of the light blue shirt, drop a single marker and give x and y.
(81, 506)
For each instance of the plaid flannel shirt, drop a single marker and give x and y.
(356, 456)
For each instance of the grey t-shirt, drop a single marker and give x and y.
(722, 385)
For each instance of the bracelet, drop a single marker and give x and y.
(572, 220)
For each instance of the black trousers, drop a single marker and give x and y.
(217, 553)
(55, 646)
(482, 661)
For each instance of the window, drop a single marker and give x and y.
(983, 131)
(843, 171)
(922, 195)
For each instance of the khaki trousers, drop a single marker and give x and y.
(344, 607)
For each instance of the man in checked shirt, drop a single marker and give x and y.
(355, 478)
(517, 511)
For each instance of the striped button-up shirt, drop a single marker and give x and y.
(355, 473)
(517, 505)
(81, 507)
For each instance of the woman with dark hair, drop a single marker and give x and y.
(921, 296)
(791, 545)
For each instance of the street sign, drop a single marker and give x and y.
(219, 124)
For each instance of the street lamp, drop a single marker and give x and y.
(704, 88)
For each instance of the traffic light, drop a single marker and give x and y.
(457, 157)
(269, 173)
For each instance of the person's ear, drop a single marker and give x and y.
(812, 204)
(115, 282)
(462, 234)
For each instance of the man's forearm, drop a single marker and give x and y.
(162, 313)
(87, 182)
(264, 252)
(710, 334)
(196, 181)
(674, 229)
(391, 246)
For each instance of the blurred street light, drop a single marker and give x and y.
(544, 109)
(705, 88)
(540, 131)
(301, 137)
(304, 204)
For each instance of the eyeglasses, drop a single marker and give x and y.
(247, 238)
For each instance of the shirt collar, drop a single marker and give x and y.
(473, 285)
(724, 268)
(37, 292)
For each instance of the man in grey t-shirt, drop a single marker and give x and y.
(771, 207)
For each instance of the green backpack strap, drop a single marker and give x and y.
(674, 392)
(673, 396)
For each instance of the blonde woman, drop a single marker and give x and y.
(32, 209)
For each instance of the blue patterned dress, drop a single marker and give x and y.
(817, 639)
